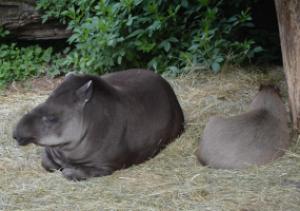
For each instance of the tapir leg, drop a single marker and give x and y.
(48, 163)
(83, 173)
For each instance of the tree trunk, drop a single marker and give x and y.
(24, 22)
(288, 14)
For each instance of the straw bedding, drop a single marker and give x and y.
(173, 180)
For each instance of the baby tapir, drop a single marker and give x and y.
(91, 126)
(253, 138)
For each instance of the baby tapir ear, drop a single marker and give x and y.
(277, 89)
(84, 93)
(262, 86)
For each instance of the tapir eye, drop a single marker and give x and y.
(50, 119)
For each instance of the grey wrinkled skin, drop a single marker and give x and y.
(91, 126)
(253, 138)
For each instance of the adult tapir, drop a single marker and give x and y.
(91, 126)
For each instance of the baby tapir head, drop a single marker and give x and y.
(59, 120)
(270, 87)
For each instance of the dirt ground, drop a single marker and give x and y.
(173, 180)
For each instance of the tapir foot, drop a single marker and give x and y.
(77, 174)
(74, 174)
(48, 163)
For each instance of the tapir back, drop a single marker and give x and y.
(154, 108)
(253, 138)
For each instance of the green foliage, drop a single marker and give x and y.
(21, 63)
(162, 35)
(3, 32)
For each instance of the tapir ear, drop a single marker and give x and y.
(277, 90)
(70, 75)
(261, 87)
(85, 92)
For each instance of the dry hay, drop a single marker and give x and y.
(173, 180)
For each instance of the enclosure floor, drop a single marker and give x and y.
(173, 180)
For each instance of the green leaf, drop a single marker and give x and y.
(154, 27)
(215, 67)
(165, 45)
(119, 59)
(258, 49)
(219, 60)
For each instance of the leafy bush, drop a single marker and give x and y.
(21, 63)
(165, 35)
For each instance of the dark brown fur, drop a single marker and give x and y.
(253, 138)
(91, 126)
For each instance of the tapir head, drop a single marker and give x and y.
(59, 120)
